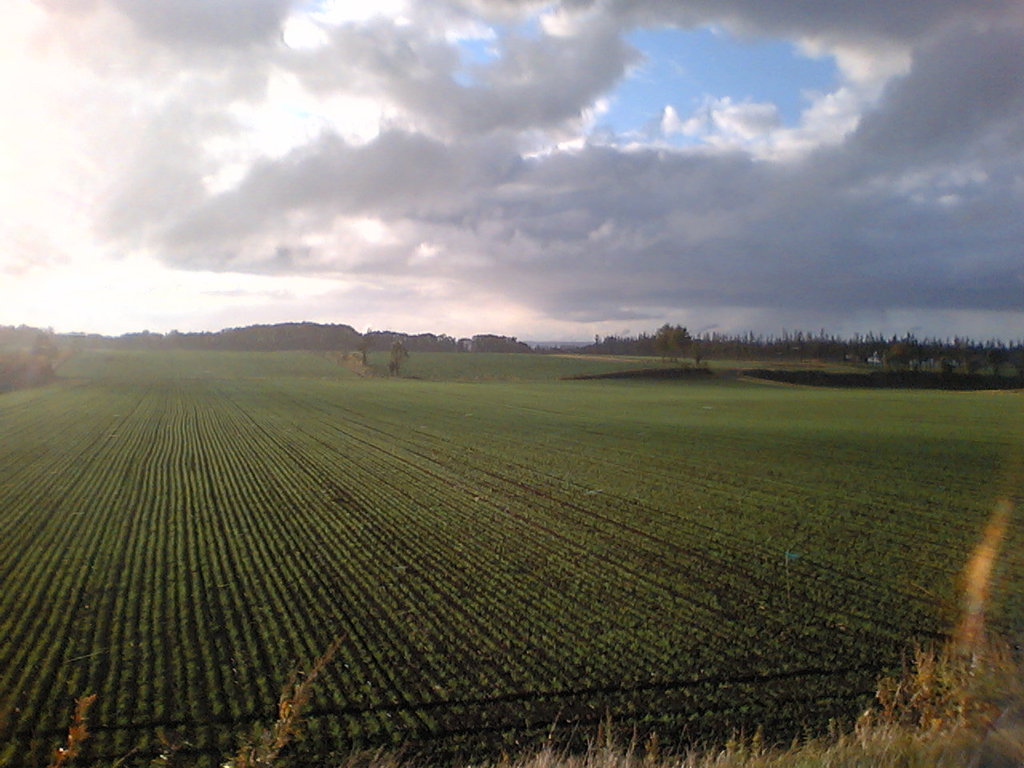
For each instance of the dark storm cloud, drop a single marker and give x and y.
(919, 207)
(398, 175)
(841, 19)
(964, 96)
(670, 231)
(597, 232)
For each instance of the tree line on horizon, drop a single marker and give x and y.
(30, 364)
(317, 337)
(31, 352)
(906, 352)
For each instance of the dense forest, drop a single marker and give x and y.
(894, 352)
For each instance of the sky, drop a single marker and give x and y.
(550, 170)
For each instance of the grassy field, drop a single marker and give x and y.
(454, 366)
(177, 531)
(547, 367)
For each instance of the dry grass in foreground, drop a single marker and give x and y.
(947, 710)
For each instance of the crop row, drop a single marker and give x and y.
(881, 529)
(702, 554)
(177, 547)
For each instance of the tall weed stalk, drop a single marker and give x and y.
(265, 745)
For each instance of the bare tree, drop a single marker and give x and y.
(399, 354)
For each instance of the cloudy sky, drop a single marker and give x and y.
(551, 170)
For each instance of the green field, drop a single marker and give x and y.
(454, 366)
(179, 530)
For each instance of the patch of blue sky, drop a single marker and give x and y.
(476, 53)
(684, 68)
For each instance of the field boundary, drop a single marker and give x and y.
(956, 382)
(645, 373)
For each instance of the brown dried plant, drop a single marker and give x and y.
(170, 745)
(972, 684)
(265, 745)
(78, 732)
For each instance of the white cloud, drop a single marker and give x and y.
(52, 141)
(867, 66)
(117, 296)
(670, 122)
(746, 121)
(727, 124)
(337, 12)
(300, 32)
(372, 230)
(471, 29)
(566, 21)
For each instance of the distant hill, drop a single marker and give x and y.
(269, 338)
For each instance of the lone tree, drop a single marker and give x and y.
(671, 340)
(45, 346)
(1017, 360)
(399, 354)
(362, 348)
(996, 357)
(897, 356)
(696, 351)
